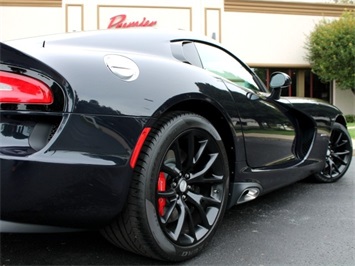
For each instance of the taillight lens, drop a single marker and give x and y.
(16, 88)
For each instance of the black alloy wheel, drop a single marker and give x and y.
(338, 157)
(179, 192)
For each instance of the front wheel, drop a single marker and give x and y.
(338, 157)
(179, 191)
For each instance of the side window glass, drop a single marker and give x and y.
(222, 64)
(190, 53)
(186, 52)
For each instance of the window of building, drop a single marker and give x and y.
(315, 88)
(265, 75)
(304, 83)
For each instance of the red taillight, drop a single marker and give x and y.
(16, 88)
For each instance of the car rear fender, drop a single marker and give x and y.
(224, 119)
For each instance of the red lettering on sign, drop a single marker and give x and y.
(119, 21)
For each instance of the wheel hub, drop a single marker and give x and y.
(182, 185)
(329, 152)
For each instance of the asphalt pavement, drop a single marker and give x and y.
(302, 224)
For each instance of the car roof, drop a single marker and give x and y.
(149, 40)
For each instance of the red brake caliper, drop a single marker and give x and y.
(161, 187)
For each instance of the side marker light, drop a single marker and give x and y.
(138, 147)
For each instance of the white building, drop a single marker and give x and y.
(268, 35)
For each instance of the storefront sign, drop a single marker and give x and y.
(119, 21)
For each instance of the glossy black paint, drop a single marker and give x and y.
(78, 174)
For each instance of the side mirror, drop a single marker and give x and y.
(278, 81)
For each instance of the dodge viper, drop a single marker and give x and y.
(150, 135)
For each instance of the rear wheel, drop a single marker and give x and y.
(179, 191)
(338, 157)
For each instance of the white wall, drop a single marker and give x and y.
(22, 22)
(344, 100)
(268, 39)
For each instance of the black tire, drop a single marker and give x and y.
(175, 220)
(338, 157)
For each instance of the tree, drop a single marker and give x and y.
(330, 49)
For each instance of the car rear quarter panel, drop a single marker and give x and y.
(160, 79)
(83, 171)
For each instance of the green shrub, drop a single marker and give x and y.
(330, 49)
(350, 118)
(352, 134)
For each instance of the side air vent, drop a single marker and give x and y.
(308, 137)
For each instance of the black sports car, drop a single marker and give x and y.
(150, 136)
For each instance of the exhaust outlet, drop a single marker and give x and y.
(241, 192)
(248, 195)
